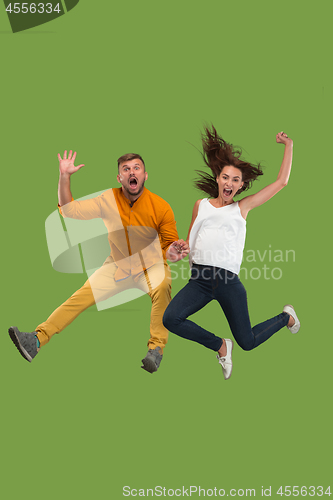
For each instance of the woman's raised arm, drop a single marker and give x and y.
(255, 200)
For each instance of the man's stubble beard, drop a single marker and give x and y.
(135, 194)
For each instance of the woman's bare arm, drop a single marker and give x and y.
(194, 216)
(255, 200)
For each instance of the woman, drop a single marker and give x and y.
(216, 238)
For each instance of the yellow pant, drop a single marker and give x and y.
(155, 281)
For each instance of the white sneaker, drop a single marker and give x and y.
(226, 361)
(291, 311)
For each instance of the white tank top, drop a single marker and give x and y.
(217, 237)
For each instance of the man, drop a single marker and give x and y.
(142, 235)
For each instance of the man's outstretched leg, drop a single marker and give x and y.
(156, 281)
(28, 344)
(99, 286)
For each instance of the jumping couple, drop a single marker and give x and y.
(148, 238)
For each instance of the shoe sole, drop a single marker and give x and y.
(232, 346)
(295, 318)
(149, 365)
(13, 335)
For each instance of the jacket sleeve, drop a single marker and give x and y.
(82, 209)
(167, 229)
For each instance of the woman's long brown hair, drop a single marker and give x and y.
(217, 154)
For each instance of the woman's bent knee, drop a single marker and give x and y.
(170, 321)
(167, 320)
(246, 345)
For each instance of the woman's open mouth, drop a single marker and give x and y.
(227, 192)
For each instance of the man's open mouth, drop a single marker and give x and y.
(133, 182)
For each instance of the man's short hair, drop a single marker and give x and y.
(129, 157)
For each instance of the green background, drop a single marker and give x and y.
(83, 420)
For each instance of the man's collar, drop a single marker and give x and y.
(131, 203)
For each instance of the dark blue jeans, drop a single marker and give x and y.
(208, 283)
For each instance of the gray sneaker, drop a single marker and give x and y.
(26, 343)
(152, 360)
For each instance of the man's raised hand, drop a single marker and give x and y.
(66, 165)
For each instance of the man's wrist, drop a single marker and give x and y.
(64, 175)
